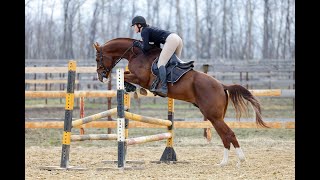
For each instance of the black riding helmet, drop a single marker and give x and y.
(139, 20)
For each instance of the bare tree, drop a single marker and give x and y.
(232, 43)
(279, 36)
(51, 51)
(247, 49)
(179, 22)
(102, 18)
(156, 20)
(118, 18)
(266, 30)
(132, 15)
(224, 31)
(219, 29)
(93, 28)
(70, 9)
(168, 22)
(197, 28)
(287, 33)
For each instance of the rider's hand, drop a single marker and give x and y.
(136, 44)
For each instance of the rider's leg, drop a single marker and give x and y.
(179, 48)
(172, 42)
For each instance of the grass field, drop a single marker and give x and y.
(271, 107)
(52, 137)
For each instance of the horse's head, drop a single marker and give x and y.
(110, 53)
(104, 63)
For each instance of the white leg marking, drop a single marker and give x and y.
(240, 154)
(225, 157)
(105, 80)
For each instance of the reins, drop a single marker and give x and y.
(118, 60)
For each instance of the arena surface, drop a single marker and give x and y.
(266, 158)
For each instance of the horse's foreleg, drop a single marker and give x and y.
(131, 78)
(227, 136)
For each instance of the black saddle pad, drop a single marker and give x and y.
(175, 68)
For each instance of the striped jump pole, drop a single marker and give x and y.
(169, 154)
(66, 138)
(120, 119)
(126, 120)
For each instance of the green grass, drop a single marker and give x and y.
(271, 107)
(53, 137)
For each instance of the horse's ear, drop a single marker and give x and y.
(96, 45)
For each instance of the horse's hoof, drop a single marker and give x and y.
(135, 95)
(143, 91)
(240, 162)
(222, 164)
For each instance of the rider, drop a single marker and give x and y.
(172, 43)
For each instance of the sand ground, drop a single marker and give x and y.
(265, 159)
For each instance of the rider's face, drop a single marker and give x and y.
(135, 28)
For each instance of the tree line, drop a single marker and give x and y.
(210, 29)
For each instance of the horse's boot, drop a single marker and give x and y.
(129, 87)
(163, 88)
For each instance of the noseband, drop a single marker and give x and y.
(106, 69)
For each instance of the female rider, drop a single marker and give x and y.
(172, 43)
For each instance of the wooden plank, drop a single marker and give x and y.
(146, 119)
(177, 124)
(47, 81)
(266, 92)
(62, 94)
(112, 93)
(29, 70)
(289, 125)
(94, 137)
(150, 138)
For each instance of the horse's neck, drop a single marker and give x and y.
(119, 47)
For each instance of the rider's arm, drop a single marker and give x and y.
(145, 40)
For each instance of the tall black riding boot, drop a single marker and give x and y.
(163, 89)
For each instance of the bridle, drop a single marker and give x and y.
(106, 69)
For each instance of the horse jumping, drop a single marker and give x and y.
(205, 92)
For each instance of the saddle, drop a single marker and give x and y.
(175, 69)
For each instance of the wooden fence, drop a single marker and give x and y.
(267, 74)
(51, 75)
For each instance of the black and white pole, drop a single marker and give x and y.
(121, 118)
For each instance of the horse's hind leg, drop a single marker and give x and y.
(227, 136)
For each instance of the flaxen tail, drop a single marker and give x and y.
(238, 94)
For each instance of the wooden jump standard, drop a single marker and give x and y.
(122, 125)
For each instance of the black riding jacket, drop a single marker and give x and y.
(153, 34)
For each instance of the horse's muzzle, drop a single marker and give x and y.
(102, 76)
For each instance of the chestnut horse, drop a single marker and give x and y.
(200, 89)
